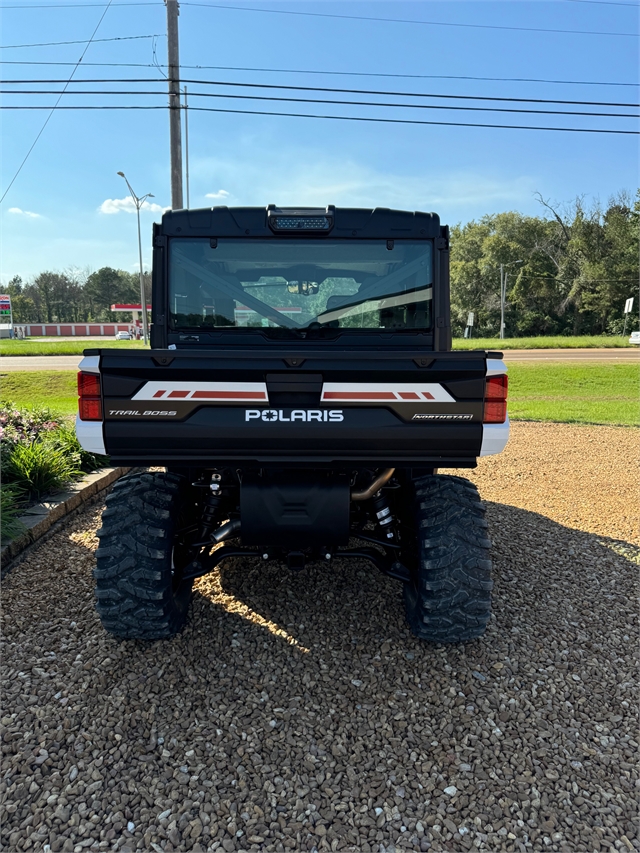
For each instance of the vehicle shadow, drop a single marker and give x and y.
(542, 571)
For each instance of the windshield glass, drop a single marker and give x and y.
(300, 284)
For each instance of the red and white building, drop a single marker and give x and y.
(82, 330)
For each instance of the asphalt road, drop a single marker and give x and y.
(13, 363)
(17, 363)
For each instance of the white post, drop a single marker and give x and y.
(143, 303)
(502, 300)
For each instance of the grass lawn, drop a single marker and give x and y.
(559, 342)
(49, 346)
(565, 393)
(56, 389)
(570, 393)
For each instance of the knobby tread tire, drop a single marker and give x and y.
(449, 598)
(135, 594)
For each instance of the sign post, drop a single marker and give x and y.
(467, 331)
(628, 308)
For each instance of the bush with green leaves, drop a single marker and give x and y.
(10, 508)
(41, 467)
(65, 438)
(40, 453)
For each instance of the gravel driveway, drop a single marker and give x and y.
(296, 712)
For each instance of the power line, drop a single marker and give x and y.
(348, 17)
(331, 90)
(78, 41)
(406, 20)
(605, 3)
(333, 73)
(329, 101)
(74, 5)
(88, 43)
(342, 118)
(582, 280)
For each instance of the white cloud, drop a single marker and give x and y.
(316, 179)
(115, 205)
(221, 195)
(18, 212)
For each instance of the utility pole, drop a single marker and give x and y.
(503, 292)
(174, 104)
(186, 142)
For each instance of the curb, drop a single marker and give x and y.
(40, 518)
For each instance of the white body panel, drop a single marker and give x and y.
(90, 364)
(90, 435)
(496, 367)
(494, 438)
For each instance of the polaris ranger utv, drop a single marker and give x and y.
(300, 395)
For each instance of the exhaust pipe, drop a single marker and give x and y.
(227, 530)
(377, 484)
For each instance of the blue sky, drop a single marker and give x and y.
(68, 208)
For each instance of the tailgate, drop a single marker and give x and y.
(317, 406)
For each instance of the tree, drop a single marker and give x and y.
(579, 266)
(108, 286)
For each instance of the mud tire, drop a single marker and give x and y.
(449, 597)
(139, 591)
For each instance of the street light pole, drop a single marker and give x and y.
(143, 299)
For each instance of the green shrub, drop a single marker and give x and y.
(11, 500)
(65, 439)
(41, 467)
(39, 453)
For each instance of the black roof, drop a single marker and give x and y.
(351, 222)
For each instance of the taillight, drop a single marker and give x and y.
(89, 400)
(495, 400)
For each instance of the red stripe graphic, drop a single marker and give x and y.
(229, 395)
(159, 393)
(408, 395)
(179, 393)
(358, 395)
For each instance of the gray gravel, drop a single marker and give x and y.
(297, 713)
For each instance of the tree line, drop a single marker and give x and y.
(569, 271)
(75, 296)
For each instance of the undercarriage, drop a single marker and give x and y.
(297, 517)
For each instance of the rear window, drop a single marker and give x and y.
(300, 283)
